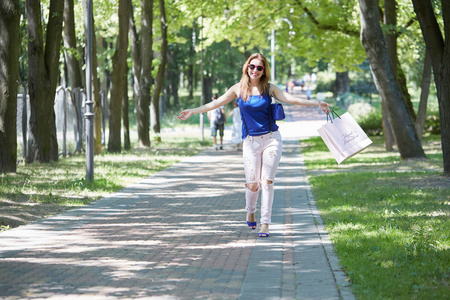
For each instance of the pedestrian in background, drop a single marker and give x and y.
(217, 122)
(262, 146)
(236, 132)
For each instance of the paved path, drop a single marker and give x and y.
(181, 234)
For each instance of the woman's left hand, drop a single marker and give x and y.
(325, 107)
(185, 114)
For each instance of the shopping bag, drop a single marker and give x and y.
(344, 137)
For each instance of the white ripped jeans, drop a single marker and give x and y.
(262, 155)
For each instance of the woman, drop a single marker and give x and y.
(262, 142)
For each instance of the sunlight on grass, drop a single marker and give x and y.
(388, 219)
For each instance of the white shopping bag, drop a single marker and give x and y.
(344, 137)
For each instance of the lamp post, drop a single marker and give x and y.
(272, 58)
(202, 100)
(89, 111)
(272, 50)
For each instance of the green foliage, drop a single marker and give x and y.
(360, 109)
(388, 219)
(347, 99)
(432, 122)
(372, 123)
(361, 81)
(325, 84)
(369, 118)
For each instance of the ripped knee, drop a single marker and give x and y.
(267, 181)
(253, 186)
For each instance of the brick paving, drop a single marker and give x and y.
(181, 234)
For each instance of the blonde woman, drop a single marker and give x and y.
(262, 146)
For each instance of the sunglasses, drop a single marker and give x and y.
(259, 68)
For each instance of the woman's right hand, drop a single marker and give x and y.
(185, 114)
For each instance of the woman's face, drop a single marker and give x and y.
(258, 68)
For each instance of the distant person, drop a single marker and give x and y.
(291, 86)
(302, 83)
(308, 93)
(217, 122)
(307, 79)
(313, 78)
(236, 133)
(262, 146)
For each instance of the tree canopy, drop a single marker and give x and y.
(320, 34)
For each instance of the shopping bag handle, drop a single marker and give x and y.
(331, 115)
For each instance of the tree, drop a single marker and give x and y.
(9, 74)
(374, 43)
(72, 55)
(70, 47)
(118, 80)
(43, 63)
(142, 55)
(438, 45)
(126, 121)
(424, 92)
(159, 80)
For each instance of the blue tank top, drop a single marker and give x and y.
(255, 113)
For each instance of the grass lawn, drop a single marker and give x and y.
(37, 191)
(388, 219)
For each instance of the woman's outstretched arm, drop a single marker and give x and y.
(226, 98)
(288, 98)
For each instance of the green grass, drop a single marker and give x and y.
(388, 219)
(39, 190)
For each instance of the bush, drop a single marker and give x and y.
(347, 99)
(360, 110)
(325, 85)
(372, 123)
(370, 120)
(432, 123)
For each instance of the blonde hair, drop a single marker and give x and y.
(244, 88)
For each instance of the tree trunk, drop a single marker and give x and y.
(207, 87)
(173, 77)
(105, 87)
(70, 51)
(389, 139)
(175, 81)
(424, 92)
(401, 79)
(96, 90)
(142, 67)
(126, 121)
(154, 107)
(136, 68)
(374, 44)
(43, 64)
(439, 49)
(70, 45)
(190, 68)
(342, 84)
(118, 80)
(390, 19)
(9, 72)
